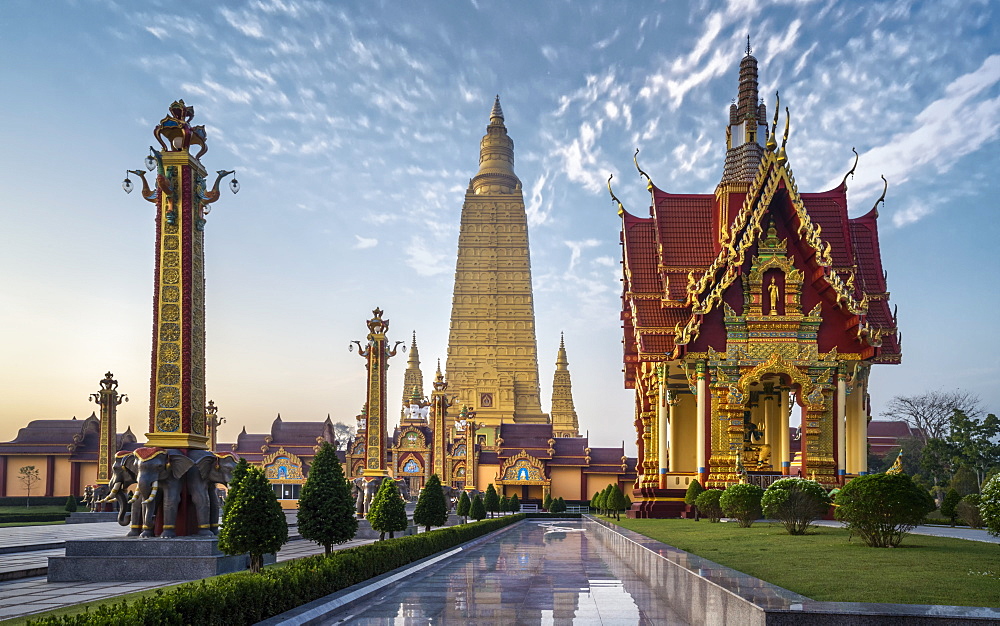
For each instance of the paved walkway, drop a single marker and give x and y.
(35, 594)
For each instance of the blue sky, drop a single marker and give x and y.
(354, 129)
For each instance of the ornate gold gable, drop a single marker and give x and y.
(522, 469)
(283, 466)
(411, 439)
(410, 465)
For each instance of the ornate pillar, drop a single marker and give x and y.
(108, 399)
(439, 425)
(840, 423)
(784, 443)
(662, 425)
(376, 353)
(673, 434)
(182, 199)
(772, 430)
(702, 420)
(212, 422)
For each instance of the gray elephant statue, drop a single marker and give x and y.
(364, 490)
(162, 474)
(122, 477)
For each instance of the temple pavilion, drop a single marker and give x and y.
(742, 307)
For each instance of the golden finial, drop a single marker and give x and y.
(614, 198)
(635, 159)
(782, 155)
(885, 188)
(853, 167)
(772, 143)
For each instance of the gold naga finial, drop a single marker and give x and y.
(614, 198)
(782, 155)
(772, 143)
(897, 465)
(853, 167)
(885, 188)
(635, 159)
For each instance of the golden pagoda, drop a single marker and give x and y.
(492, 354)
(564, 420)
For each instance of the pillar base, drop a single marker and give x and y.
(653, 502)
(375, 473)
(187, 441)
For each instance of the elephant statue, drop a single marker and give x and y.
(364, 490)
(122, 477)
(162, 474)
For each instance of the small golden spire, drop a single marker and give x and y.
(885, 188)
(853, 167)
(782, 155)
(614, 198)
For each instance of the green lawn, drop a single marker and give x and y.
(825, 565)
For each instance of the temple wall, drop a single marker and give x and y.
(61, 485)
(14, 485)
(88, 475)
(686, 449)
(566, 483)
(486, 474)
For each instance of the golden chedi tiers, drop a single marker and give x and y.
(742, 306)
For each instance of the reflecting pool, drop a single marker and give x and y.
(535, 573)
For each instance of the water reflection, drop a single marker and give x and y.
(535, 573)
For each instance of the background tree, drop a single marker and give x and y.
(432, 510)
(964, 481)
(931, 412)
(547, 502)
(326, 509)
(691, 496)
(742, 503)
(29, 477)
(478, 510)
(595, 502)
(464, 506)
(796, 503)
(387, 513)
(935, 461)
(491, 500)
(968, 510)
(989, 505)
(949, 506)
(504, 504)
(974, 442)
(514, 504)
(255, 522)
(343, 435)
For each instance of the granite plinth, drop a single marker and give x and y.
(365, 531)
(154, 558)
(90, 517)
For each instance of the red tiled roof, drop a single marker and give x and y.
(684, 228)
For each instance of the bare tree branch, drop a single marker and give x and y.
(931, 412)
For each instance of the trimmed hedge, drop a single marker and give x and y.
(246, 598)
(35, 501)
(10, 518)
(552, 515)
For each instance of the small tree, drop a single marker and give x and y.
(796, 503)
(595, 502)
(964, 481)
(708, 504)
(491, 501)
(504, 504)
(742, 502)
(387, 513)
(949, 506)
(234, 485)
(431, 510)
(968, 510)
(547, 502)
(691, 496)
(478, 509)
(882, 508)
(29, 477)
(463, 507)
(254, 520)
(558, 505)
(608, 499)
(514, 504)
(989, 505)
(70, 504)
(617, 501)
(326, 509)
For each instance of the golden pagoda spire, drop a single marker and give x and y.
(496, 158)
(564, 420)
(413, 378)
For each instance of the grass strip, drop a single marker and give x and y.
(827, 565)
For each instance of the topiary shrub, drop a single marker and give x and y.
(708, 504)
(326, 508)
(882, 508)
(968, 510)
(431, 509)
(691, 496)
(514, 504)
(742, 502)
(464, 506)
(70, 504)
(547, 502)
(558, 505)
(796, 503)
(989, 505)
(949, 506)
(478, 510)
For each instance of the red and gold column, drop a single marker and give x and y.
(439, 424)
(377, 353)
(177, 385)
(108, 398)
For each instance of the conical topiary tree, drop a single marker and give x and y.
(617, 501)
(514, 504)
(504, 504)
(70, 504)
(491, 500)
(595, 502)
(547, 502)
(387, 513)
(326, 509)
(691, 497)
(464, 506)
(478, 510)
(254, 520)
(233, 488)
(558, 505)
(608, 501)
(432, 510)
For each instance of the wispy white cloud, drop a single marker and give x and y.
(577, 248)
(910, 214)
(425, 260)
(363, 243)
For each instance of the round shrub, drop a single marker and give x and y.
(968, 510)
(708, 504)
(796, 503)
(882, 508)
(742, 503)
(989, 505)
(693, 491)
